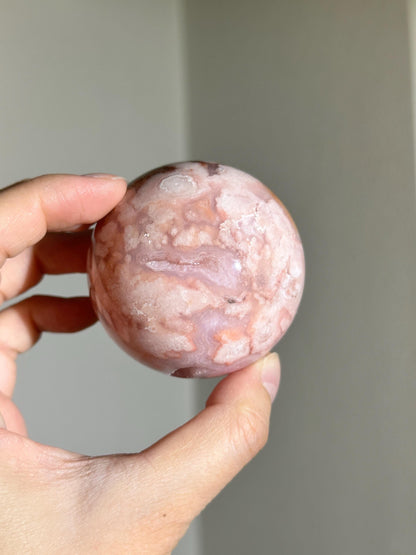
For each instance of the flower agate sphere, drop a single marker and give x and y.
(198, 271)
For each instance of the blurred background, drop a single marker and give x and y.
(315, 99)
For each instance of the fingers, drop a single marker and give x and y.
(184, 471)
(10, 416)
(22, 324)
(53, 202)
(56, 253)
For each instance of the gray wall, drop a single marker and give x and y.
(314, 98)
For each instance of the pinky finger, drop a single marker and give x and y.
(22, 324)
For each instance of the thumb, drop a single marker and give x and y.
(185, 470)
(200, 458)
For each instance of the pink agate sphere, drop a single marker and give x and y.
(198, 271)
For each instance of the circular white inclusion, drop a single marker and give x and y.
(178, 185)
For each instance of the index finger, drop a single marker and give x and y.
(54, 202)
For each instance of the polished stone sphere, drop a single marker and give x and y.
(198, 271)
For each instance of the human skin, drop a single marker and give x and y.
(55, 501)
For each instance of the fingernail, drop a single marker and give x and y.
(2, 422)
(270, 374)
(103, 175)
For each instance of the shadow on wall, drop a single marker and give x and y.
(314, 99)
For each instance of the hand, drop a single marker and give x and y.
(54, 501)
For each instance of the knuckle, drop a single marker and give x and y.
(251, 430)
